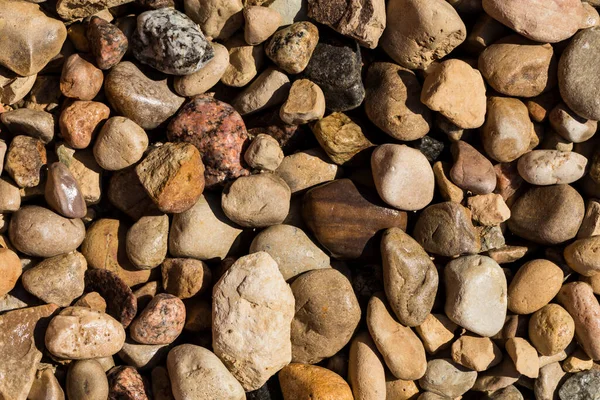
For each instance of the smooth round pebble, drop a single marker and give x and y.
(146, 241)
(206, 77)
(86, 379)
(120, 144)
(264, 153)
(525, 294)
(582, 256)
(160, 322)
(551, 167)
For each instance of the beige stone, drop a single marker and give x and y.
(218, 19)
(45, 385)
(85, 170)
(10, 197)
(571, 126)
(24, 160)
(365, 369)
(582, 256)
(10, 270)
(436, 332)
(551, 329)
(269, 89)
(499, 377)
(577, 362)
(447, 379)
(264, 153)
(448, 190)
(476, 353)
(526, 294)
(72, 9)
(146, 242)
(550, 378)
(143, 356)
(307, 168)
(398, 389)
(208, 76)
(120, 144)
(13, 87)
(86, 379)
(551, 167)
(308, 382)
(525, 357)
(340, 137)
(591, 220)
(185, 277)
(92, 300)
(244, 62)
(305, 103)
(488, 209)
(261, 23)
(35, 123)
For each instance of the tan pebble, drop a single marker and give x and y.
(218, 19)
(264, 153)
(436, 332)
(365, 370)
(448, 190)
(340, 137)
(550, 378)
(10, 269)
(86, 379)
(551, 167)
(582, 256)
(307, 382)
(551, 329)
(244, 62)
(261, 23)
(508, 181)
(499, 377)
(524, 355)
(488, 209)
(120, 144)
(571, 126)
(307, 168)
(291, 48)
(471, 170)
(579, 300)
(35, 123)
(79, 121)
(185, 278)
(398, 389)
(208, 76)
(146, 242)
(577, 362)
(269, 89)
(305, 103)
(591, 220)
(534, 285)
(45, 385)
(476, 353)
(24, 160)
(92, 300)
(85, 170)
(446, 378)
(80, 79)
(10, 196)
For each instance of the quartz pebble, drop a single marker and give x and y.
(571, 126)
(551, 167)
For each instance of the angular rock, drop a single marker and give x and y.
(24, 159)
(488, 209)
(73, 9)
(436, 332)
(292, 47)
(340, 137)
(107, 42)
(13, 88)
(524, 355)
(305, 103)
(63, 193)
(476, 353)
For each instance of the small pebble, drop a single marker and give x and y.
(447, 379)
(291, 48)
(476, 353)
(120, 144)
(79, 122)
(366, 373)
(471, 170)
(146, 241)
(269, 89)
(306, 169)
(107, 43)
(582, 256)
(436, 332)
(264, 153)
(10, 268)
(206, 77)
(185, 277)
(244, 62)
(307, 382)
(80, 79)
(488, 209)
(571, 126)
(160, 322)
(86, 379)
(524, 355)
(63, 193)
(305, 103)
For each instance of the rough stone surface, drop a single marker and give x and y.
(488, 209)
(436, 332)
(80, 79)
(218, 19)
(305, 103)
(340, 137)
(291, 48)
(253, 308)
(582, 256)
(24, 160)
(476, 353)
(35, 123)
(447, 379)
(551, 167)
(79, 121)
(524, 355)
(63, 193)
(581, 386)
(126, 383)
(185, 277)
(87, 379)
(525, 294)
(13, 87)
(307, 382)
(107, 42)
(146, 241)
(160, 322)
(73, 9)
(171, 42)
(551, 329)
(207, 76)
(120, 144)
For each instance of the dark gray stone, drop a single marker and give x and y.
(582, 386)
(171, 42)
(430, 147)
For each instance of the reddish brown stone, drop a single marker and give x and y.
(107, 42)
(24, 159)
(125, 383)
(121, 304)
(78, 122)
(160, 322)
(217, 131)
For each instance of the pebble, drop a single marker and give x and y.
(577, 362)
(365, 370)
(62, 192)
(436, 332)
(558, 21)
(185, 277)
(497, 378)
(290, 10)
(10, 268)
(507, 132)
(92, 300)
(28, 45)
(24, 160)
(217, 131)
(173, 176)
(291, 48)
(330, 212)
(45, 386)
(524, 355)
(85, 170)
(218, 19)
(400, 389)
(446, 229)
(403, 177)
(551, 167)
(340, 137)
(126, 383)
(107, 42)
(79, 122)
(582, 256)
(120, 144)
(547, 215)
(579, 300)
(264, 153)
(104, 248)
(269, 89)
(305, 103)
(261, 23)
(519, 67)
(14, 88)
(488, 209)
(135, 95)
(80, 79)
(327, 314)
(400, 347)
(10, 196)
(206, 77)
(35, 123)
(257, 201)
(471, 170)
(393, 102)
(410, 278)
(307, 382)
(143, 356)
(582, 386)
(342, 86)
(551, 329)
(19, 353)
(447, 379)
(160, 322)
(508, 393)
(409, 21)
(197, 373)
(57, 280)
(306, 169)
(253, 342)
(571, 126)
(294, 252)
(127, 194)
(244, 62)
(445, 91)
(86, 379)
(476, 353)
(546, 386)
(184, 50)
(78, 333)
(448, 190)
(364, 22)
(146, 241)
(525, 294)
(39, 232)
(476, 296)
(188, 236)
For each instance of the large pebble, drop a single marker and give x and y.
(253, 308)
(264, 153)
(457, 91)
(160, 322)
(63, 192)
(447, 379)
(58, 280)
(365, 369)
(410, 278)
(218, 19)
(120, 144)
(525, 295)
(269, 89)
(257, 200)
(551, 167)
(307, 168)
(327, 313)
(197, 373)
(471, 170)
(45, 386)
(39, 232)
(308, 382)
(294, 252)
(579, 85)
(173, 176)
(207, 76)
(203, 231)
(446, 229)
(168, 40)
(582, 386)
(80, 79)
(261, 23)
(403, 177)
(147, 241)
(24, 160)
(547, 215)
(80, 333)
(476, 294)
(409, 21)
(551, 329)
(132, 93)
(400, 347)
(550, 378)
(579, 300)
(291, 48)
(86, 379)
(393, 102)
(35, 123)
(582, 256)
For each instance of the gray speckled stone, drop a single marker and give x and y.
(582, 386)
(171, 42)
